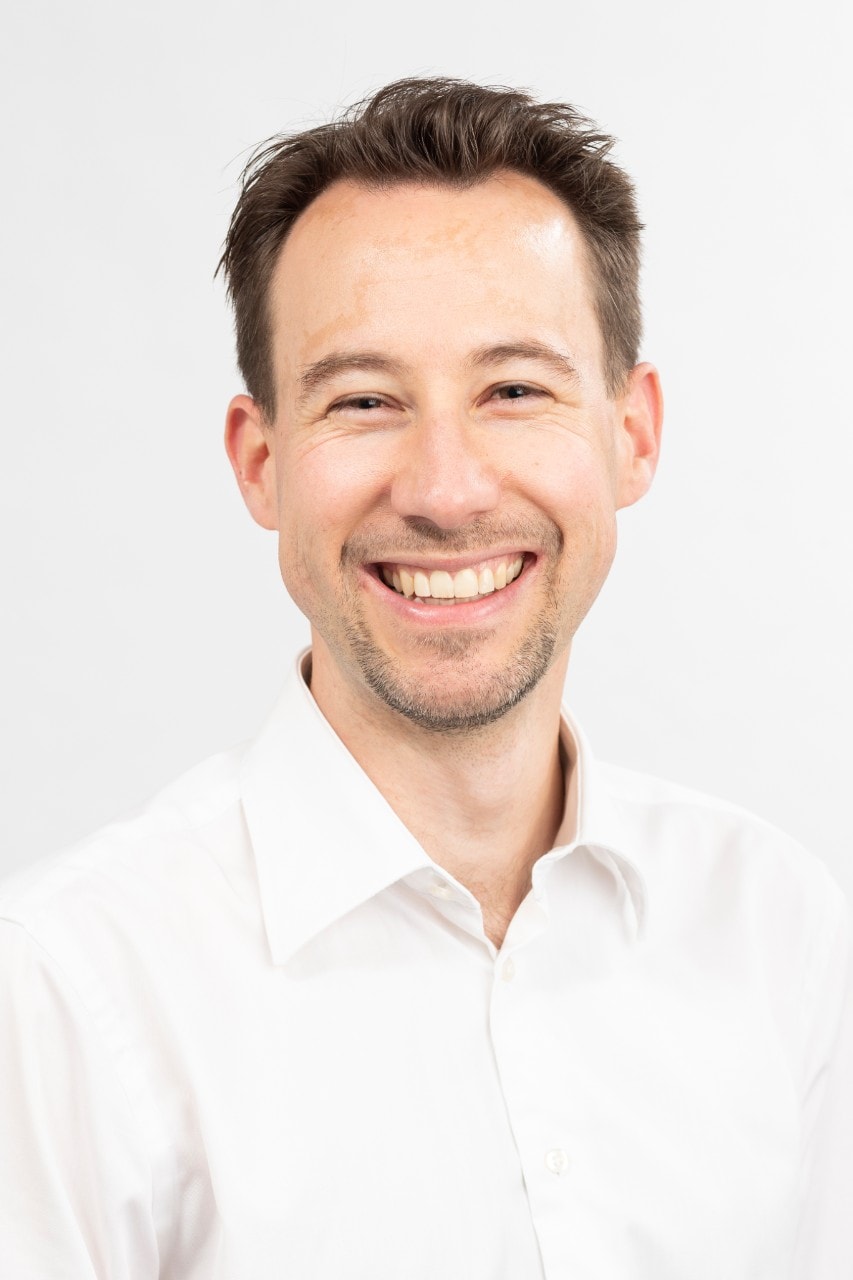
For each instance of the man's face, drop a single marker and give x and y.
(445, 462)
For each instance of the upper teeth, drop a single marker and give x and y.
(477, 580)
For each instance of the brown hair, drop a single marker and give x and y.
(446, 132)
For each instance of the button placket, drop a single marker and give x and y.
(524, 1022)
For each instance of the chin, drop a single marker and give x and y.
(454, 690)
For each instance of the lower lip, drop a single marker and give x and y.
(464, 613)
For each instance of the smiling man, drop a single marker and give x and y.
(411, 985)
(443, 459)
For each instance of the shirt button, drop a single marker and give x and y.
(508, 969)
(556, 1161)
(441, 889)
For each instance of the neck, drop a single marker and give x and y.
(483, 805)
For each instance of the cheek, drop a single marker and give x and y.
(322, 497)
(576, 487)
(579, 499)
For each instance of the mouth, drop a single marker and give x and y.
(424, 585)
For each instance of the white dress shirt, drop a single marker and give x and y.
(254, 1033)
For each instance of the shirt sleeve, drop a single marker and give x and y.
(825, 1238)
(75, 1183)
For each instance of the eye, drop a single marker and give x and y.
(361, 403)
(516, 391)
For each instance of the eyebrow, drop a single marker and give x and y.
(558, 361)
(317, 374)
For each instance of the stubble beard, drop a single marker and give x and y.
(487, 698)
(484, 694)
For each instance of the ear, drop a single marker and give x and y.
(640, 411)
(248, 443)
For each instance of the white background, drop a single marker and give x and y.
(144, 625)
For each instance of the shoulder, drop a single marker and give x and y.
(698, 846)
(141, 867)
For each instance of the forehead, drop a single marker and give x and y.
(411, 261)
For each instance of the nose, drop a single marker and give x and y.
(444, 474)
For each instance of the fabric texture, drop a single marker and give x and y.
(253, 1032)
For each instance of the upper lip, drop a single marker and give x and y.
(452, 565)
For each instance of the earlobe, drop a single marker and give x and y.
(248, 440)
(641, 422)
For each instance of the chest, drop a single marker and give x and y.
(434, 1112)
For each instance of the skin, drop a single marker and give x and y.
(476, 422)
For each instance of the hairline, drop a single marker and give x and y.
(439, 182)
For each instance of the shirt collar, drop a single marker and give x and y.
(595, 819)
(325, 840)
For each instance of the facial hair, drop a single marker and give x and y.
(488, 694)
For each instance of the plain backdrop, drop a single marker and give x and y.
(144, 624)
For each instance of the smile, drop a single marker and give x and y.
(441, 587)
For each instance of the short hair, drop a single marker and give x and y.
(442, 132)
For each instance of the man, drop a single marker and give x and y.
(411, 985)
